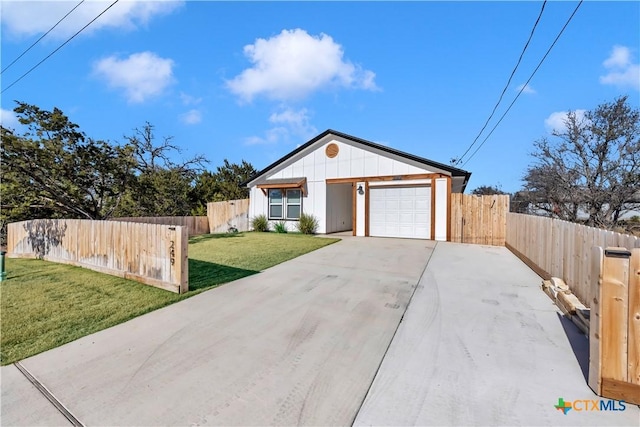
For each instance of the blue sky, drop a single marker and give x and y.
(253, 80)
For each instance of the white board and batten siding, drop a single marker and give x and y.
(353, 160)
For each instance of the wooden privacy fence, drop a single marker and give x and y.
(152, 254)
(196, 225)
(227, 214)
(555, 248)
(479, 219)
(614, 334)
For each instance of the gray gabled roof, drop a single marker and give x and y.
(455, 172)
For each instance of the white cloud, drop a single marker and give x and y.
(141, 76)
(288, 125)
(293, 64)
(622, 71)
(8, 119)
(29, 18)
(297, 122)
(189, 100)
(620, 58)
(526, 89)
(556, 121)
(191, 117)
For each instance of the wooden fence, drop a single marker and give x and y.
(196, 225)
(555, 248)
(152, 254)
(231, 213)
(614, 333)
(479, 219)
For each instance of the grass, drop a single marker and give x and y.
(44, 304)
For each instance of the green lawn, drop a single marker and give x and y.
(44, 305)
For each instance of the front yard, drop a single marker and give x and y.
(44, 304)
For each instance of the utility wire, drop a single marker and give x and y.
(459, 159)
(59, 47)
(41, 37)
(525, 85)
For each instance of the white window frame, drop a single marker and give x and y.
(281, 204)
(284, 204)
(287, 204)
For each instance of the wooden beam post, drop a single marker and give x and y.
(597, 255)
(634, 318)
(613, 313)
(615, 325)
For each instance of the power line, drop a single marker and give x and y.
(41, 37)
(59, 47)
(525, 85)
(459, 159)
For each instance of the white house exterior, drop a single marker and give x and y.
(350, 184)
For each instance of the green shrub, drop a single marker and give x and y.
(260, 223)
(280, 227)
(308, 224)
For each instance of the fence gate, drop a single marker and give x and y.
(614, 335)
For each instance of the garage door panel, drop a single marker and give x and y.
(421, 217)
(407, 218)
(400, 212)
(422, 205)
(407, 204)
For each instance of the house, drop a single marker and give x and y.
(350, 184)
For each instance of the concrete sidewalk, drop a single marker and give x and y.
(481, 344)
(297, 344)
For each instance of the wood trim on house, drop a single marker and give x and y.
(297, 184)
(449, 180)
(366, 208)
(354, 207)
(433, 209)
(407, 177)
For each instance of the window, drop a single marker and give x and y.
(285, 204)
(275, 204)
(294, 204)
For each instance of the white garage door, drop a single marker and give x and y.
(400, 212)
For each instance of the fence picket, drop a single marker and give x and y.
(562, 249)
(222, 215)
(479, 219)
(613, 350)
(130, 250)
(196, 225)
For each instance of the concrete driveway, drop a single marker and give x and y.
(481, 344)
(319, 341)
(298, 344)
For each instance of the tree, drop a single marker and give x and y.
(224, 184)
(54, 168)
(590, 168)
(488, 190)
(161, 186)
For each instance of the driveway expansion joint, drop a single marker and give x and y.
(49, 396)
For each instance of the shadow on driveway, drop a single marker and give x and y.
(579, 344)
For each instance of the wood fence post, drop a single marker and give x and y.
(613, 313)
(634, 318)
(597, 255)
(617, 314)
